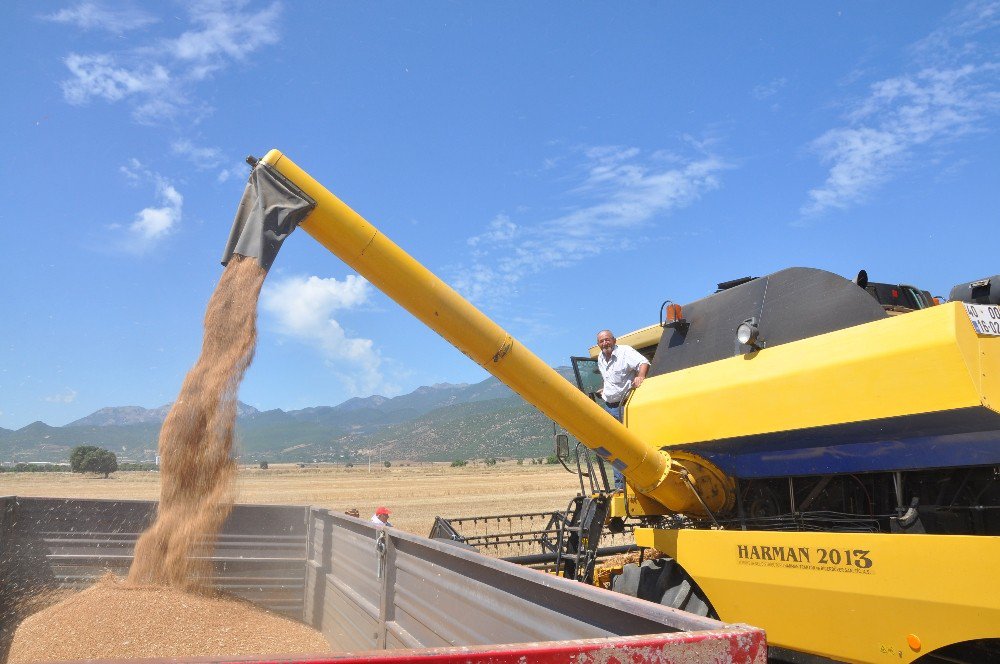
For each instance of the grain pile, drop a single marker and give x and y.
(621, 559)
(113, 619)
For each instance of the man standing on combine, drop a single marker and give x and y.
(623, 369)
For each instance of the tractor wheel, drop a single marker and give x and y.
(665, 582)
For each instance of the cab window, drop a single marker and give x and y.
(588, 376)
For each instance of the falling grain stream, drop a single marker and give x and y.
(166, 607)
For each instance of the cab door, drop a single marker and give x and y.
(588, 376)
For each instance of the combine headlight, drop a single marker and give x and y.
(747, 332)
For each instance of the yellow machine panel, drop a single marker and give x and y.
(846, 376)
(854, 597)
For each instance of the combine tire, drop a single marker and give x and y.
(665, 582)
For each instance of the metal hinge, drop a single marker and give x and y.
(380, 548)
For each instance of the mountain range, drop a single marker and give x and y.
(433, 423)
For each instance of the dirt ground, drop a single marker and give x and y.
(415, 494)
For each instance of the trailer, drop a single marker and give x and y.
(375, 593)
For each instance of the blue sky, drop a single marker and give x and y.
(567, 165)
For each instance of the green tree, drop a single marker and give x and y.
(458, 463)
(387, 464)
(78, 454)
(263, 465)
(93, 460)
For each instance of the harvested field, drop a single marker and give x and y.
(415, 494)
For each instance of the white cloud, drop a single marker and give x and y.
(210, 158)
(159, 79)
(203, 158)
(501, 229)
(101, 76)
(620, 191)
(134, 171)
(153, 223)
(238, 171)
(224, 33)
(303, 309)
(66, 396)
(899, 116)
(770, 88)
(95, 16)
(900, 119)
(954, 41)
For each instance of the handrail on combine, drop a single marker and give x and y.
(529, 538)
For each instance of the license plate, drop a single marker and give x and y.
(985, 318)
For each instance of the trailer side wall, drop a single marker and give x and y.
(365, 587)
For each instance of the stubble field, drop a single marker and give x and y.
(415, 494)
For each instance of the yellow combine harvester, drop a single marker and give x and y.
(834, 479)
(864, 449)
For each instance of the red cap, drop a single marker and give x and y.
(382, 510)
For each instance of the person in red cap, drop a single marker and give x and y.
(381, 516)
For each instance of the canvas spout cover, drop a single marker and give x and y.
(269, 211)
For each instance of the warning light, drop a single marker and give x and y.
(672, 316)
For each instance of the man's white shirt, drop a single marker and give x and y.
(619, 370)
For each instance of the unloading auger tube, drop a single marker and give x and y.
(650, 471)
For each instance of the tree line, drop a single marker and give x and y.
(82, 459)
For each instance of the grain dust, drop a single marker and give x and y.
(114, 619)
